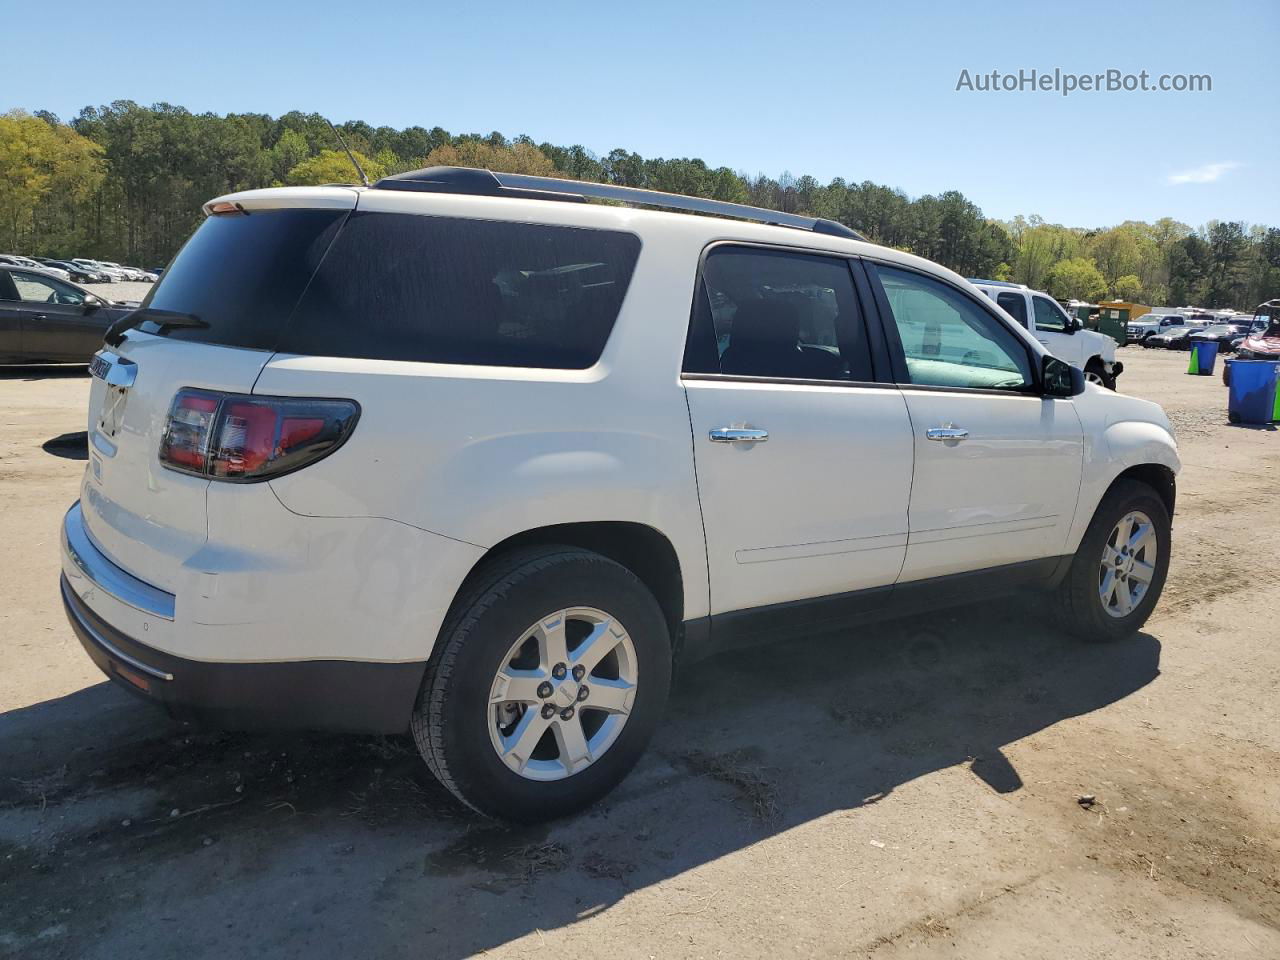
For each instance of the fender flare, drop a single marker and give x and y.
(1126, 448)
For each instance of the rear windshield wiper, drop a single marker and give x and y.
(161, 318)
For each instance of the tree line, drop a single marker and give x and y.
(125, 182)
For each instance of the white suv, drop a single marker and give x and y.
(1061, 335)
(460, 455)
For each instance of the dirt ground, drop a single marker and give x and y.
(909, 788)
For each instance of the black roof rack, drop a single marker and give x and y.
(470, 180)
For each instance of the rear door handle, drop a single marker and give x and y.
(946, 433)
(738, 435)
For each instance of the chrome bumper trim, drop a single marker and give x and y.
(112, 650)
(93, 566)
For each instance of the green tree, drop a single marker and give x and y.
(1128, 288)
(333, 166)
(289, 151)
(138, 175)
(1076, 279)
(1117, 254)
(47, 171)
(1227, 273)
(519, 157)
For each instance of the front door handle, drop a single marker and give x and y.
(738, 435)
(946, 433)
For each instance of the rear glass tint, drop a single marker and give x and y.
(242, 275)
(450, 290)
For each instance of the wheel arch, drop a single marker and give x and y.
(1159, 477)
(642, 549)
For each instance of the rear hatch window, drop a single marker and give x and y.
(389, 286)
(243, 274)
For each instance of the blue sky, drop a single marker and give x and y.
(865, 91)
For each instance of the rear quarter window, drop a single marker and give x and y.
(452, 290)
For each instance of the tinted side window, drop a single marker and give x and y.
(1048, 316)
(450, 290)
(773, 313)
(34, 288)
(948, 340)
(242, 275)
(1014, 304)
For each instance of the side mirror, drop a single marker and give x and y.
(1060, 379)
(91, 303)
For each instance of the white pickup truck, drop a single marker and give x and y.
(1157, 321)
(1064, 337)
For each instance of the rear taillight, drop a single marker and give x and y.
(231, 436)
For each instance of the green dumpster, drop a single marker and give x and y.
(1114, 322)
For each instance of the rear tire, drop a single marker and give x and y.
(1096, 608)
(478, 697)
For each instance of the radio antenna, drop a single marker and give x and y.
(350, 156)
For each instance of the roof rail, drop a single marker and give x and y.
(470, 180)
(998, 283)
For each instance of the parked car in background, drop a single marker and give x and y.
(115, 274)
(47, 320)
(130, 274)
(74, 273)
(13, 260)
(527, 456)
(1062, 335)
(1157, 321)
(1225, 335)
(1174, 338)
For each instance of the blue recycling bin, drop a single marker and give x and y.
(1205, 354)
(1252, 396)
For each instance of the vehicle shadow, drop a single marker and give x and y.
(69, 446)
(373, 858)
(44, 372)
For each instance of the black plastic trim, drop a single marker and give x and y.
(344, 695)
(981, 391)
(800, 618)
(784, 381)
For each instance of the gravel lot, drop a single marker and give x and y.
(906, 789)
(121, 291)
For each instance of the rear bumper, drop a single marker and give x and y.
(324, 694)
(309, 694)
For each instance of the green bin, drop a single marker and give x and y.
(1114, 322)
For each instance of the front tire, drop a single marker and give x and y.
(1096, 372)
(549, 677)
(1119, 569)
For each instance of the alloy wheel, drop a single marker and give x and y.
(562, 693)
(1128, 564)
